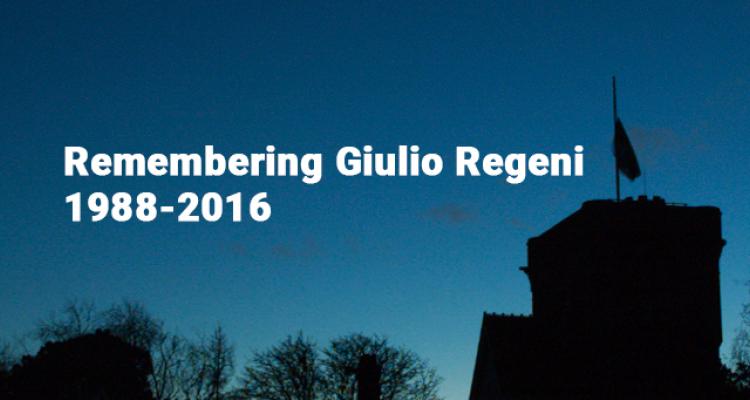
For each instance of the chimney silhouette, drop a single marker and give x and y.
(368, 378)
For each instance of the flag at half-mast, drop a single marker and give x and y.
(625, 158)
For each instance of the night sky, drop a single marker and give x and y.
(415, 258)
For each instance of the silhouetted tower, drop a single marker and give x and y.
(625, 303)
(368, 378)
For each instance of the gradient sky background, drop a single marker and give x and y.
(417, 259)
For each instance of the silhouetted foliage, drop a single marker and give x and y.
(296, 370)
(131, 322)
(739, 377)
(183, 369)
(208, 368)
(167, 355)
(90, 366)
(287, 371)
(193, 375)
(742, 377)
(7, 357)
(76, 319)
(7, 360)
(405, 376)
(220, 363)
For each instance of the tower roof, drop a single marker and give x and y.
(633, 219)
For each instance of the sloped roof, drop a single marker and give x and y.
(502, 350)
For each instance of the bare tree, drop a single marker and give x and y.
(425, 384)
(295, 370)
(132, 323)
(77, 318)
(168, 359)
(741, 352)
(220, 363)
(288, 371)
(208, 367)
(194, 374)
(405, 376)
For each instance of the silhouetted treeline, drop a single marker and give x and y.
(90, 366)
(739, 376)
(296, 369)
(178, 368)
(123, 352)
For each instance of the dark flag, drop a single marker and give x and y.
(625, 158)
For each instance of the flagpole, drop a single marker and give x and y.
(614, 117)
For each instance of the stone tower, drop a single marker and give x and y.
(625, 304)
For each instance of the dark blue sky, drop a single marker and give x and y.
(417, 259)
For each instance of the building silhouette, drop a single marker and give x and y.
(626, 304)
